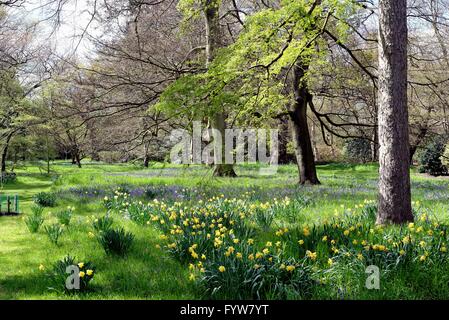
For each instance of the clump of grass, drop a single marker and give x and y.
(36, 219)
(116, 241)
(264, 218)
(103, 224)
(45, 199)
(65, 216)
(54, 232)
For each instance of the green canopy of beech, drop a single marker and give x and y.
(249, 74)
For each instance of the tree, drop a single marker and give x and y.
(394, 175)
(214, 42)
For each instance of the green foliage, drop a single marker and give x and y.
(247, 73)
(36, 219)
(445, 157)
(116, 241)
(358, 150)
(102, 224)
(60, 274)
(45, 199)
(54, 232)
(430, 161)
(64, 216)
(264, 217)
(269, 277)
(7, 177)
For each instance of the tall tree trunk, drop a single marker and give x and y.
(214, 41)
(394, 175)
(5, 152)
(300, 130)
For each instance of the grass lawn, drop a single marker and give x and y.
(150, 272)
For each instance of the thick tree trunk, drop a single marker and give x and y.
(214, 41)
(394, 175)
(300, 130)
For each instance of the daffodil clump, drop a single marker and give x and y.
(214, 237)
(220, 240)
(86, 272)
(353, 239)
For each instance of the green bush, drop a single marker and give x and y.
(102, 224)
(54, 232)
(45, 199)
(358, 150)
(430, 160)
(116, 241)
(7, 177)
(445, 157)
(60, 275)
(65, 216)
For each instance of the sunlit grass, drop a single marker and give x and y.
(148, 272)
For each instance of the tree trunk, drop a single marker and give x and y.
(300, 130)
(146, 159)
(284, 157)
(374, 146)
(214, 41)
(5, 152)
(78, 159)
(394, 175)
(419, 139)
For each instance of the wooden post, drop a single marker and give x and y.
(8, 203)
(16, 204)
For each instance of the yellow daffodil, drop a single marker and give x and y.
(290, 268)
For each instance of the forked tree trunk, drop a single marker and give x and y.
(300, 129)
(394, 175)
(214, 41)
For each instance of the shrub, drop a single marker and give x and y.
(102, 224)
(116, 241)
(45, 199)
(7, 177)
(358, 150)
(430, 160)
(60, 274)
(54, 231)
(445, 157)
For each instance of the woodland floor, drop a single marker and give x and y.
(149, 273)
